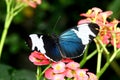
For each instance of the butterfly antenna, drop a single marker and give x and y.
(56, 23)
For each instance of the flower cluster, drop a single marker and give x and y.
(70, 70)
(64, 69)
(109, 32)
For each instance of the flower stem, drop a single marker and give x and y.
(91, 55)
(8, 20)
(107, 64)
(114, 55)
(99, 58)
(84, 57)
(11, 13)
(115, 66)
(45, 70)
(114, 41)
(103, 69)
(38, 73)
(103, 46)
(87, 58)
(69, 79)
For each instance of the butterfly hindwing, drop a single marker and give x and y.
(70, 44)
(73, 42)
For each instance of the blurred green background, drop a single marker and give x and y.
(42, 20)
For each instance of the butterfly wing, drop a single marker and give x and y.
(46, 45)
(70, 45)
(51, 47)
(73, 42)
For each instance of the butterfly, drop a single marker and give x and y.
(70, 44)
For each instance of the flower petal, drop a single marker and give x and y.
(38, 59)
(81, 74)
(73, 65)
(58, 77)
(49, 73)
(58, 67)
(92, 76)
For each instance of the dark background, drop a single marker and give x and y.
(42, 20)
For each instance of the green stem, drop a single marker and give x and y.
(8, 3)
(40, 72)
(107, 64)
(84, 57)
(8, 20)
(103, 46)
(103, 69)
(87, 58)
(45, 70)
(91, 55)
(9, 17)
(115, 66)
(69, 79)
(114, 55)
(38, 76)
(114, 40)
(99, 58)
(18, 8)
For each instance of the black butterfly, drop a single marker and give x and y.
(70, 44)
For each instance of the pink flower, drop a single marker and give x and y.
(49, 73)
(105, 15)
(92, 13)
(118, 45)
(33, 3)
(89, 14)
(81, 74)
(92, 76)
(117, 40)
(105, 39)
(84, 21)
(66, 60)
(58, 67)
(38, 58)
(73, 65)
(58, 77)
(57, 72)
(69, 73)
(96, 10)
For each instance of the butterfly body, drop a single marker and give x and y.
(70, 44)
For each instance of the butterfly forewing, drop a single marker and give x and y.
(52, 50)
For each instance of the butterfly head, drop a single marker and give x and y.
(94, 28)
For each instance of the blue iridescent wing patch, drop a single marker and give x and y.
(70, 45)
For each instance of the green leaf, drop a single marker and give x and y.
(23, 75)
(5, 72)
(8, 73)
